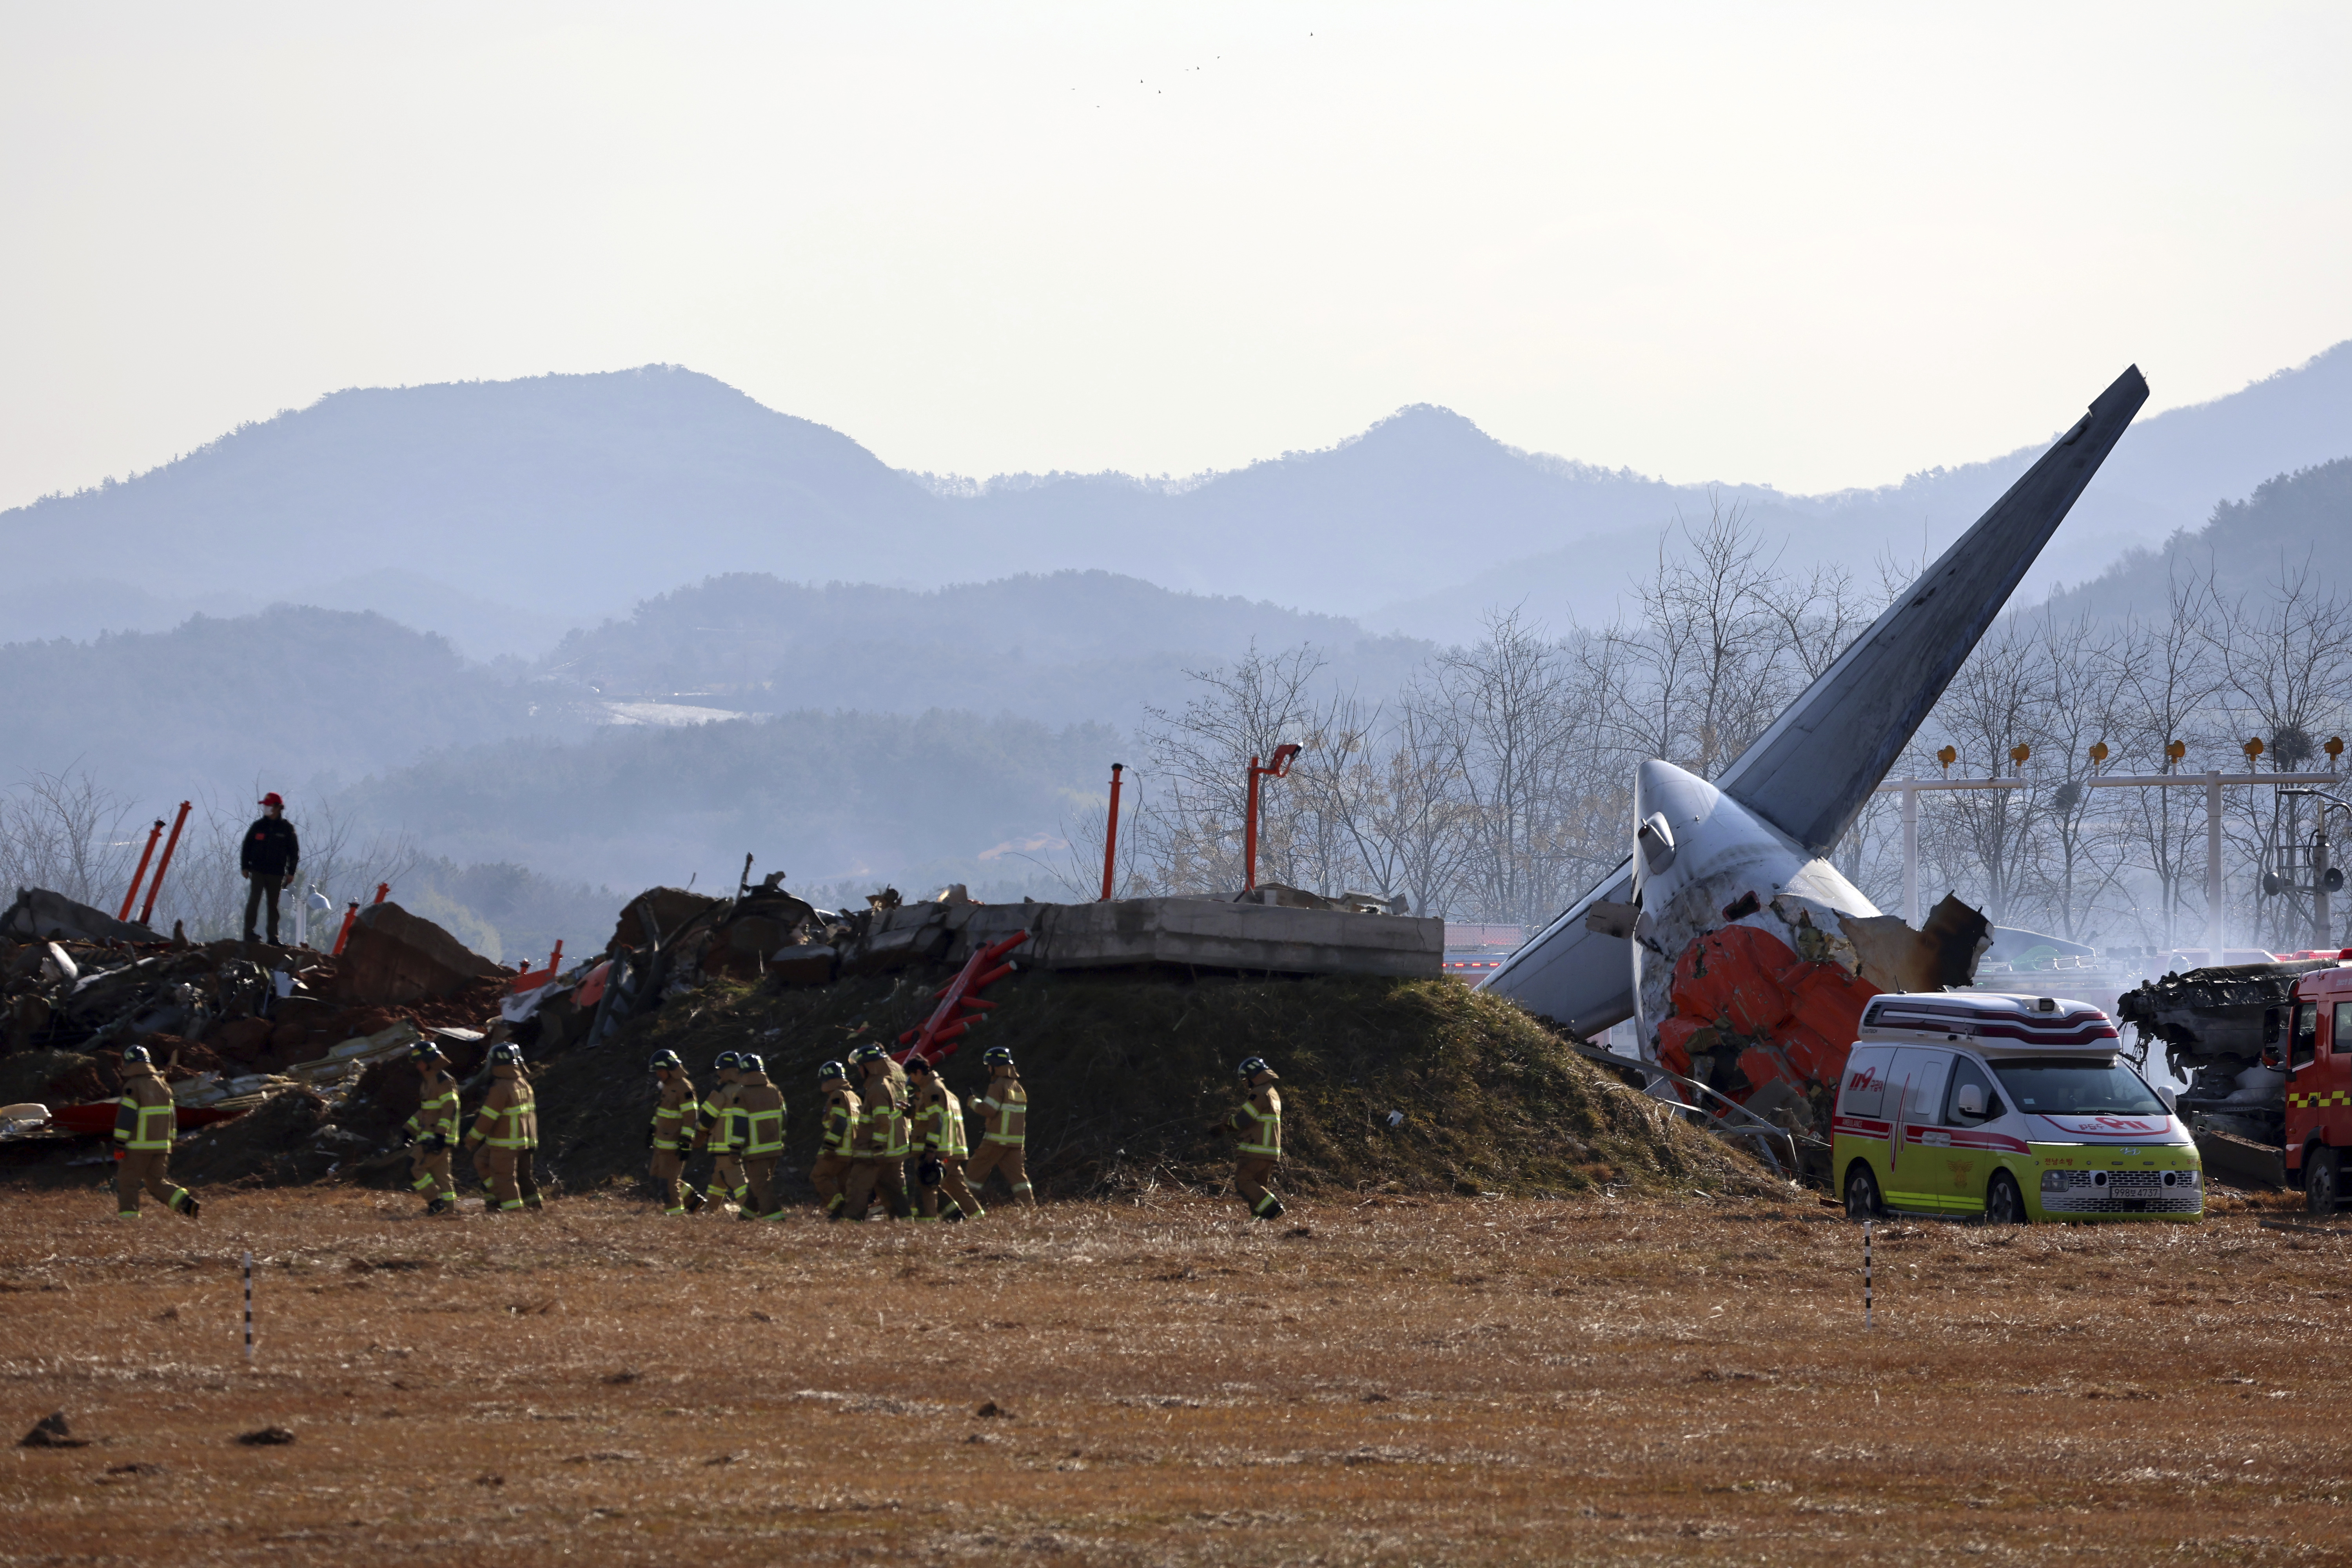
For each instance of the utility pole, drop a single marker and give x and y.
(2213, 866)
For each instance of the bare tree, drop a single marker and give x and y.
(1201, 758)
(69, 834)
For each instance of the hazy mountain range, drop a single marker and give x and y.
(941, 671)
(502, 513)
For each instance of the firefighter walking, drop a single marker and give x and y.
(1256, 1129)
(1004, 1111)
(837, 1141)
(717, 1131)
(940, 1147)
(671, 1133)
(506, 1129)
(762, 1106)
(145, 1119)
(433, 1131)
(878, 1158)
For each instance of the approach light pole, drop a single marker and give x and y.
(1111, 830)
(1280, 769)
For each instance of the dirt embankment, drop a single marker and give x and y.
(1124, 1071)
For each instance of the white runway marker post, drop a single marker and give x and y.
(249, 1308)
(1865, 1289)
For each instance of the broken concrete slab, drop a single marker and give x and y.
(392, 956)
(1193, 932)
(40, 915)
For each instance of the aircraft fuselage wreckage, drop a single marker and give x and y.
(1743, 953)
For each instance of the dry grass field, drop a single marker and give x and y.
(1385, 1381)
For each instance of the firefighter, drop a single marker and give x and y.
(1256, 1128)
(843, 1113)
(671, 1131)
(878, 1158)
(717, 1132)
(145, 1117)
(433, 1131)
(1004, 1111)
(940, 1147)
(762, 1106)
(506, 1129)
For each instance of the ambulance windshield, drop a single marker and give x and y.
(2074, 1088)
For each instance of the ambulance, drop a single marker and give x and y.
(2017, 1108)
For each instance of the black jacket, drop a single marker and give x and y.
(270, 848)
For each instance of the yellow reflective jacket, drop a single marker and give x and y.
(1006, 1104)
(673, 1112)
(1257, 1125)
(145, 1117)
(762, 1106)
(437, 1107)
(938, 1122)
(843, 1114)
(510, 1115)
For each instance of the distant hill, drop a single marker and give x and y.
(496, 512)
(2167, 474)
(294, 700)
(1059, 648)
(2290, 522)
(829, 798)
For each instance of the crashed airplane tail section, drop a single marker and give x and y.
(1727, 933)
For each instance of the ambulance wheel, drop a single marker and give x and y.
(2323, 1180)
(1862, 1193)
(2004, 1205)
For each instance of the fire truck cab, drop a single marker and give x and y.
(2319, 1086)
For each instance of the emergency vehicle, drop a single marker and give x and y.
(2319, 1086)
(2017, 1108)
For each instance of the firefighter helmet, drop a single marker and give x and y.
(664, 1061)
(864, 1054)
(726, 1061)
(828, 1072)
(997, 1057)
(426, 1051)
(1255, 1066)
(137, 1055)
(750, 1062)
(507, 1054)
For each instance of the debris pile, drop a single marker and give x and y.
(292, 1065)
(234, 1028)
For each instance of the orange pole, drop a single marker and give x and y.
(170, 844)
(380, 890)
(1110, 831)
(351, 913)
(131, 895)
(1249, 832)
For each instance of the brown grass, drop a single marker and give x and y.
(1368, 1381)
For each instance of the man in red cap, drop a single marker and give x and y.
(268, 861)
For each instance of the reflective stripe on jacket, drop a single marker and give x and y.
(763, 1119)
(145, 1117)
(842, 1112)
(1259, 1123)
(677, 1103)
(721, 1131)
(509, 1118)
(1007, 1104)
(882, 1130)
(436, 1110)
(938, 1124)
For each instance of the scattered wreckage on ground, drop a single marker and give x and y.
(307, 1051)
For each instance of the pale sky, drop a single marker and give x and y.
(1806, 246)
